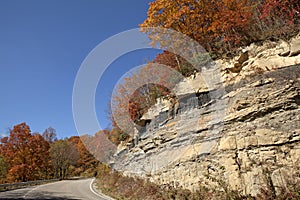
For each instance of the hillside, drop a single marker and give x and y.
(243, 134)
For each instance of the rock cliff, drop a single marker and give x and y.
(244, 135)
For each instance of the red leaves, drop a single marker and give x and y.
(224, 25)
(287, 10)
(26, 156)
(4, 140)
(134, 109)
(25, 153)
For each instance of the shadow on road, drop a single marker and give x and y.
(37, 196)
(50, 198)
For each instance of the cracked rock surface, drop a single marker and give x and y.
(257, 141)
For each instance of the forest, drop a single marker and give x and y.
(27, 156)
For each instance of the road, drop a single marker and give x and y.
(67, 190)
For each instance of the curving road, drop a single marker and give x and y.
(67, 190)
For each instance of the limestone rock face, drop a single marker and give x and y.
(243, 133)
(260, 58)
(258, 137)
(295, 46)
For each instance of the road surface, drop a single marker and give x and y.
(67, 189)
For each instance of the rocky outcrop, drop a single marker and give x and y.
(244, 136)
(258, 58)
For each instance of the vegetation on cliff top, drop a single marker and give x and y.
(222, 27)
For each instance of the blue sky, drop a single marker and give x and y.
(42, 45)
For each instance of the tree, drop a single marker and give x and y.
(116, 136)
(25, 154)
(3, 168)
(221, 26)
(49, 135)
(138, 92)
(176, 62)
(279, 18)
(100, 146)
(86, 161)
(63, 154)
(201, 20)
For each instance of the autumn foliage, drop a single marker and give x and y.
(139, 91)
(224, 25)
(175, 62)
(25, 153)
(221, 27)
(99, 145)
(26, 156)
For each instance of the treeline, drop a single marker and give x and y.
(222, 27)
(27, 156)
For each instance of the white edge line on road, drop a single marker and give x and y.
(37, 188)
(96, 193)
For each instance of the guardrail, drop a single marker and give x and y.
(13, 186)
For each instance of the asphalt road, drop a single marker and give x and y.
(68, 190)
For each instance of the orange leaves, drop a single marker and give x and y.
(86, 159)
(189, 17)
(222, 25)
(25, 153)
(26, 156)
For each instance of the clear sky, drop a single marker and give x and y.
(42, 45)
